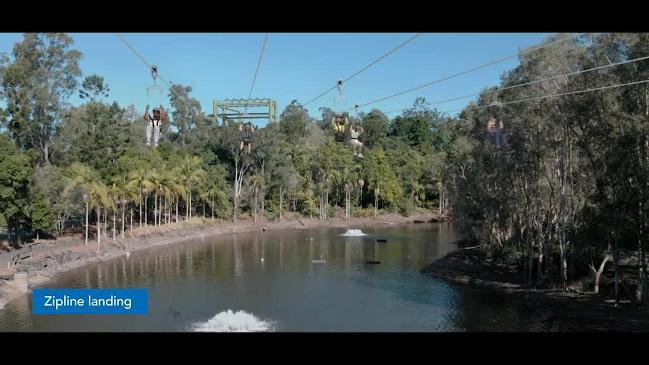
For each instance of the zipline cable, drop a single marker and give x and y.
(471, 70)
(534, 81)
(365, 68)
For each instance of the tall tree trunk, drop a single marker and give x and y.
(539, 272)
(212, 207)
(46, 154)
(280, 203)
(123, 219)
(87, 210)
(347, 201)
(177, 198)
(531, 258)
(616, 262)
(599, 271)
(114, 223)
(146, 211)
(563, 266)
(140, 207)
(326, 204)
(98, 224)
(376, 201)
(131, 221)
(155, 209)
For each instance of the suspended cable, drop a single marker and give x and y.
(471, 70)
(365, 68)
(553, 95)
(536, 81)
(150, 66)
(261, 55)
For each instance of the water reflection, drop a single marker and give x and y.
(194, 281)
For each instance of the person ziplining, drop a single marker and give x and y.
(357, 145)
(496, 131)
(247, 131)
(154, 123)
(340, 119)
(339, 123)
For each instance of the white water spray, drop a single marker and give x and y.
(353, 233)
(229, 321)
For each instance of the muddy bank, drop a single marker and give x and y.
(579, 311)
(46, 260)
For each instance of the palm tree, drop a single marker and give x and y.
(126, 193)
(166, 192)
(191, 174)
(81, 176)
(156, 180)
(138, 180)
(416, 192)
(177, 187)
(132, 194)
(117, 195)
(98, 193)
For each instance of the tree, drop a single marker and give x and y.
(217, 190)
(96, 134)
(293, 121)
(381, 179)
(15, 175)
(87, 179)
(92, 87)
(375, 129)
(42, 217)
(186, 114)
(36, 84)
(191, 174)
(138, 180)
(51, 181)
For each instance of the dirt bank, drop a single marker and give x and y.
(583, 311)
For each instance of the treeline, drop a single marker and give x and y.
(89, 163)
(568, 197)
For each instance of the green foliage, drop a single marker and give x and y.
(36, 83)
(96, 134)
(92, 87)
(15, 175)
(293, 121)
(375, 128)
(42, 216)
(381, 177)
(571, 185)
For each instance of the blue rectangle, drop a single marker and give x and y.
(90, 301)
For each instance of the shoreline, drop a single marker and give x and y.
(47, 261)
(580, 311)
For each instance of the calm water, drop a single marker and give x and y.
(193, 285)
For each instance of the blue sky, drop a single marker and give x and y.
(298, 65)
